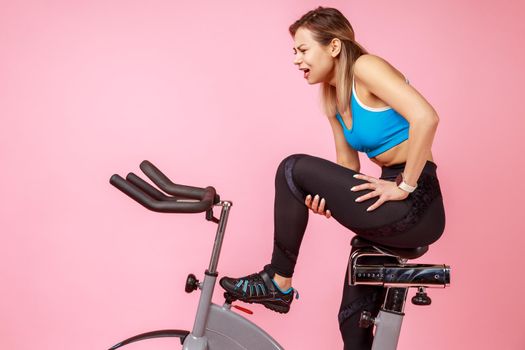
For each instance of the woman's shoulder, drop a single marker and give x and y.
(368, 57)
(369, 67)
(368, 63)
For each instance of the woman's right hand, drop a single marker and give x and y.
(317, 206)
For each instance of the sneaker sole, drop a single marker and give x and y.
(277, 307)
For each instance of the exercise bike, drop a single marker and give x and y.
(397, 277)
(217, 327)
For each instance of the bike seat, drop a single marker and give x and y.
(405, 253)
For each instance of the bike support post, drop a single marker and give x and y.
(389, 320)
(207, 286)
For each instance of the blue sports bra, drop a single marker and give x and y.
(374, 130)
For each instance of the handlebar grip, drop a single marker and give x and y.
(172, 206)
(147, 188)
(167, 185)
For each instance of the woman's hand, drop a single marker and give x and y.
(317, 207)
(385, 190)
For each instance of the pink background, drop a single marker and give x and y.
(91, 88)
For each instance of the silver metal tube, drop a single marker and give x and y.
(211, 274)
(387, 332)
(219, 237)
(204, 303)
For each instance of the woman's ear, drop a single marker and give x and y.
(335, 47)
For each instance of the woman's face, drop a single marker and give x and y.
(318, 62)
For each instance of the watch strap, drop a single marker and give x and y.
(406, 187)
(403, 185)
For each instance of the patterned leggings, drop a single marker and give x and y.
(416, 221)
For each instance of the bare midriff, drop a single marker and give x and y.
(396, 155)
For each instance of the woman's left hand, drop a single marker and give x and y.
(385, 190)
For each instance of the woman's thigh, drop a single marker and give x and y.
(331, 181)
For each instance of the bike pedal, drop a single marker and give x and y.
(229, 298)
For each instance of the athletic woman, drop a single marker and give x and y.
(371, 108)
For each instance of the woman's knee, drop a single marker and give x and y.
(291, 159)
(298, 164)
(285, 175)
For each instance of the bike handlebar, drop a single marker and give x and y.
(189, 199)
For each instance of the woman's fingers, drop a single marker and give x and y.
(322, 204)
(317, 205)
(309, 202)
(366, 178)
(374, 206)
(367, 196)
(365, 186)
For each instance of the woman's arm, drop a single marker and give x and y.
(387, 84)
(346, 156)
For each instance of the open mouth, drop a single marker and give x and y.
(306, 73)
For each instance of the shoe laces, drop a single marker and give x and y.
(255, 283)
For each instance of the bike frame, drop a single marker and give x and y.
(217, 327)
(397, 279)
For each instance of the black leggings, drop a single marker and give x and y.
(416, 221)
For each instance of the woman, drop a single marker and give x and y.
(371, 108)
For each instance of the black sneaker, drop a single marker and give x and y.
(261, 289)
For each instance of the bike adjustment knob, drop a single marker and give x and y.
(421, 297)
(366, 319)
(192, 283)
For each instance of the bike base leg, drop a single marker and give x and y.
(155, 334)
(388, 327)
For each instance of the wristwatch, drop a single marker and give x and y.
(400, 182)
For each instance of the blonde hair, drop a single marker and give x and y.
(326, 24)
